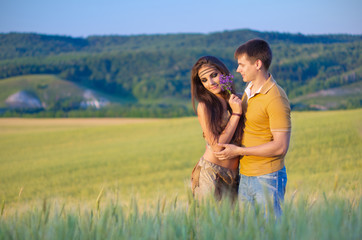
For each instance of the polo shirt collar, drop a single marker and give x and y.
(267, 85)
(247, 90)
(264, 89)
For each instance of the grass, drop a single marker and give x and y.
(328, 218)
(72, 161)
(110, 179)
(326, 147)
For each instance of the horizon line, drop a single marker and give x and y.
(178, 33)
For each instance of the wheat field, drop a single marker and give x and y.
(111, 178)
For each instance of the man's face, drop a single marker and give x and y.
(246, 68)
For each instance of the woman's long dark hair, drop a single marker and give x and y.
(213, 105)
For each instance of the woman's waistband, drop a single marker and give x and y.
(204, 162)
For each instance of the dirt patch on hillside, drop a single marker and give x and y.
(337, 92)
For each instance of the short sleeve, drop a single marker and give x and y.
(279, 114)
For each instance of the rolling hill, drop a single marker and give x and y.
(144, 72)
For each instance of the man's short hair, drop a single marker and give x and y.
(256, 49)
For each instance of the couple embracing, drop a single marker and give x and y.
(247, 137)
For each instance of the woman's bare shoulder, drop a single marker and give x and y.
(201, 108)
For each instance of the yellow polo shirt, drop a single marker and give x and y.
(266, 111)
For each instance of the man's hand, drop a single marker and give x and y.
(231, 151)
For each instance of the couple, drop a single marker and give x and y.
(249, 134)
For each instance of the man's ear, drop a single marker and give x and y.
(258, 64)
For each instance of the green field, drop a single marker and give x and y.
(76, 158)
(50, 163)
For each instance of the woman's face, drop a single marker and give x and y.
(210, 78)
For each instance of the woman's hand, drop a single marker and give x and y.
(230, 151)
(235, 104)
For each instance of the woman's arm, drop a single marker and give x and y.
(227, 134)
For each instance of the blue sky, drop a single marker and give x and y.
(81, 18)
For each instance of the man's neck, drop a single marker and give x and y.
(259, 81)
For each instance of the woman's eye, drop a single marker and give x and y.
(203, 80)
(214, 75)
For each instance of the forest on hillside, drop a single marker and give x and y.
(151, 67)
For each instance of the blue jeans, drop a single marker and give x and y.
(258, 189)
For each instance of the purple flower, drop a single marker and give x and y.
(226, 82)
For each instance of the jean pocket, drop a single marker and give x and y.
(270, 181)
(270, 176)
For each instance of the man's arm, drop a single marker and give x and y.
(277, 147)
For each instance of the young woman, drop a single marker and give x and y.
(219, 114)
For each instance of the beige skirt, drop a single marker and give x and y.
(210, 179)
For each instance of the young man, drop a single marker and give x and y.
(267, 128)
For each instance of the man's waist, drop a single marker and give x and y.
(256, 165)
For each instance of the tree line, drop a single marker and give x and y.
(158, 66)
